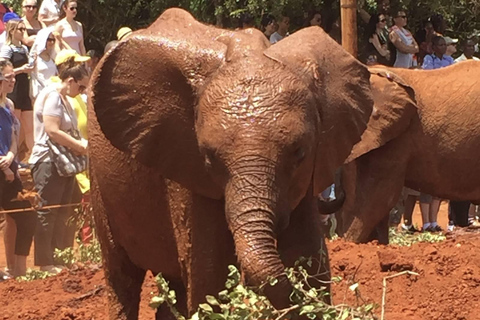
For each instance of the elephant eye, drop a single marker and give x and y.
(299, 155)
(208, 161)
(209, 157)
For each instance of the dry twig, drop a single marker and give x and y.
(385, 287)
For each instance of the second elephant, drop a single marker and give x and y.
(424, 133)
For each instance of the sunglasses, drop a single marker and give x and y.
(81, 87)
(22, 29)
(7, 77)
(403, 17)
(30, 7)
(72, 8)
(383, 20)
(51, 39)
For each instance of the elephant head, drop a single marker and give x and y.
(228, 116)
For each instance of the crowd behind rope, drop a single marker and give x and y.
(44, 74)
(44, 71)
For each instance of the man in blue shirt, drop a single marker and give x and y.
(438, 59)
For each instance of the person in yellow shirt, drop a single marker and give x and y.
(82, 190)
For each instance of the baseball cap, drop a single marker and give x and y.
(123, 32)
(450, 41)
(9, 16)
(64, 55)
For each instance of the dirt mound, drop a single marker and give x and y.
(447, 287)
(74, 294)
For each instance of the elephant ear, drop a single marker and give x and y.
(145, 90)
(341, 87)
(394, 108)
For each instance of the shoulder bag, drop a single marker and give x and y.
(67, 163)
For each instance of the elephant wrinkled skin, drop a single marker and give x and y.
(207, 146)
(424, 133)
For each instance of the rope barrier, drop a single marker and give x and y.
(56, 206)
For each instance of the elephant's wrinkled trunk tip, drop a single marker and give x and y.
(255, 243)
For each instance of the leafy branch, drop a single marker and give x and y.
(240, 302)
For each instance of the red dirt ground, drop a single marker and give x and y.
(447, 288)
(448, 285)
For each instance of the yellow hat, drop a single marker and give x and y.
(64, 55)
(123, 32)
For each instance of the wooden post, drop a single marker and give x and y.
(349, 26)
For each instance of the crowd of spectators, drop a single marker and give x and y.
(44, 73)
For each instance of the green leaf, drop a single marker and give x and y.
(156, 302)
(306, 309)
(212, 300)
(205, 307)
(273, 281)
(345, 314)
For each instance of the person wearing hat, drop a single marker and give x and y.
(7, 17)
(451, 46)
(123, 32)
(45, 68)
(54, 120)
(78, 103)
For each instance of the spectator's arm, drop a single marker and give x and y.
(58, 36)
(52, 129)
(43, 15)
(402, 47)
(83, 51)
(28, 41)
(415, 46)
(427, 63)
(47, 21)
(376, 43)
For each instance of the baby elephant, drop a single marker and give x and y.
(207, 147)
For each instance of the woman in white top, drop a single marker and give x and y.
(45, 67)
(69, 33)
(54, 119)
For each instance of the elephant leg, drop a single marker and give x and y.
(123, 279)
(211, 251)
(378, 178)
(304, 238)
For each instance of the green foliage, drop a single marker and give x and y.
(102, 18)
(34, 275)
(239, 302)
(85, 253)
(402, 239)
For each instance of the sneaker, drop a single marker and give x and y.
(428, 229)
(450, 228)
(51, 269)
(410, 229)
(437, 228)
(5, 275)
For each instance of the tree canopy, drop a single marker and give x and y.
(102, 18)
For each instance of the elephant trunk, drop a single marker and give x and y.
(251, 202)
